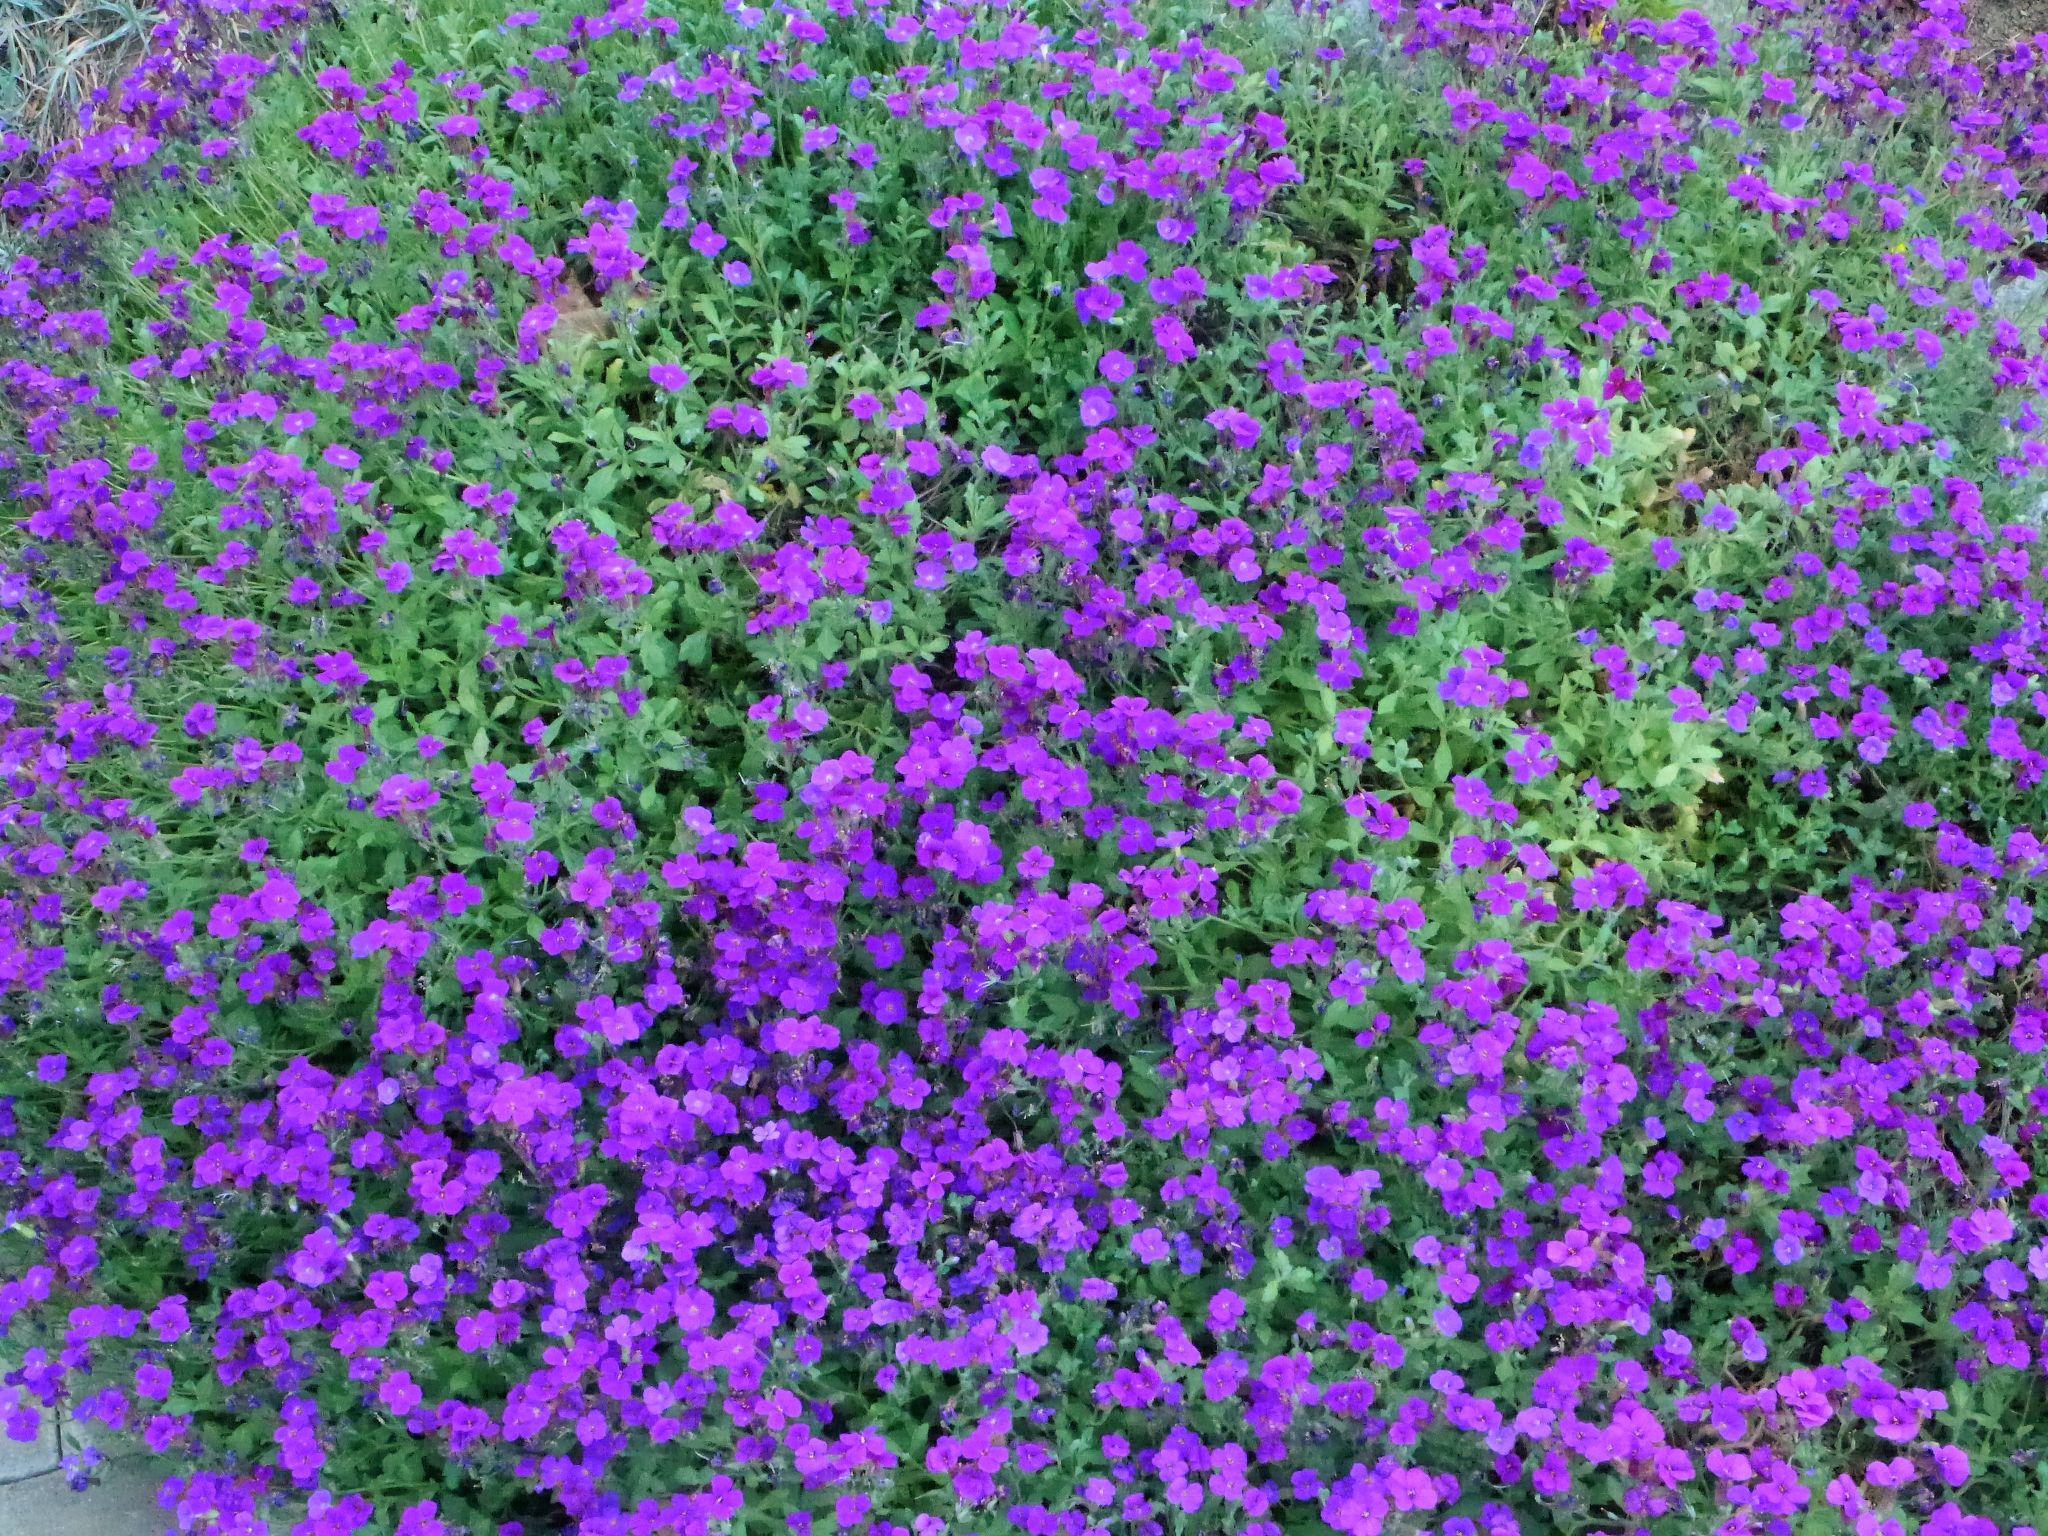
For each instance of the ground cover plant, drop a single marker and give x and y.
(954, 768)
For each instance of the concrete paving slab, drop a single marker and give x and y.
(121, 1502)
(27, 1458)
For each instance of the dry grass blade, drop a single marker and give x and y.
(54, 54)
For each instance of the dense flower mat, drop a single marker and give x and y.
(948, 767)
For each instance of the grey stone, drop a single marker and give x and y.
(120, 1502)
(2021, 300)
(26, 1458)
(1726, 15)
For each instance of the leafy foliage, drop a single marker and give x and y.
(924, 767)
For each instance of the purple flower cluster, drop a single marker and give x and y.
(795, 771)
